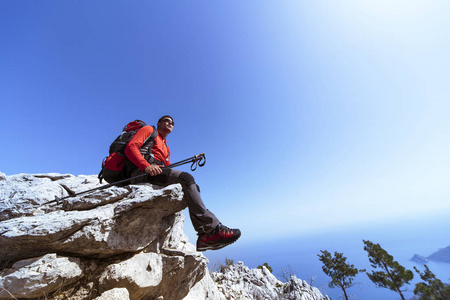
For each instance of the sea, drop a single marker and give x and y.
(299, 254)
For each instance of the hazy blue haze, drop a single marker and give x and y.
(402, 240)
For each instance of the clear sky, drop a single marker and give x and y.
(312, 114)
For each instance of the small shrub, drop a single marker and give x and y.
(286, 273)
(228, 263)
(265, 265)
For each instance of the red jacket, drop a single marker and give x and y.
(160, 149)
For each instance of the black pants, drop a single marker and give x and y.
(202, 219)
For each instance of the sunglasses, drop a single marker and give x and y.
(169, 121)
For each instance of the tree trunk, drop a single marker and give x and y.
(401, 294)
(345, 293)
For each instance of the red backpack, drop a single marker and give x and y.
(113, 165)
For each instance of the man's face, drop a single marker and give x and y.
(166, 125)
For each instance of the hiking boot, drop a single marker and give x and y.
(218, 238)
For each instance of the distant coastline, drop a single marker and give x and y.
(442, 255)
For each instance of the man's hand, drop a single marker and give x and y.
(153, 170)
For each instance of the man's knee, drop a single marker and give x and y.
(187, 178)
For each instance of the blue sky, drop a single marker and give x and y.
(312, 114)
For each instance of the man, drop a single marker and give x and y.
(212, 235)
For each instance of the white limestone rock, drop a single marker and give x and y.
(239, 282)
(32, 278)
(129, 238)
(115, 294)
(139, 275)
(128, 225)
(205, 289)
(23, 194)
(297, 289)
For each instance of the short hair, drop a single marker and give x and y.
(163, 117)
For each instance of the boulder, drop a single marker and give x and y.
(96, 244)
(32, 278)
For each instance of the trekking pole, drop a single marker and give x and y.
(198, 160)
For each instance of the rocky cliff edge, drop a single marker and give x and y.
(115, 243)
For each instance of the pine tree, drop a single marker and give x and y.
(432, 288)
(393, 275)
(341, 273)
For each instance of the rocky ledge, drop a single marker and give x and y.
(114, 243)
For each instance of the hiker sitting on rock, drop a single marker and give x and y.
(212, 235)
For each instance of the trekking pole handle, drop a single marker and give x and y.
(200, 157)
(198, 161)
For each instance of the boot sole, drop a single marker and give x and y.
(216, 246)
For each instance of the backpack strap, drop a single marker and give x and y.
(168, 153)
(146, 149)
